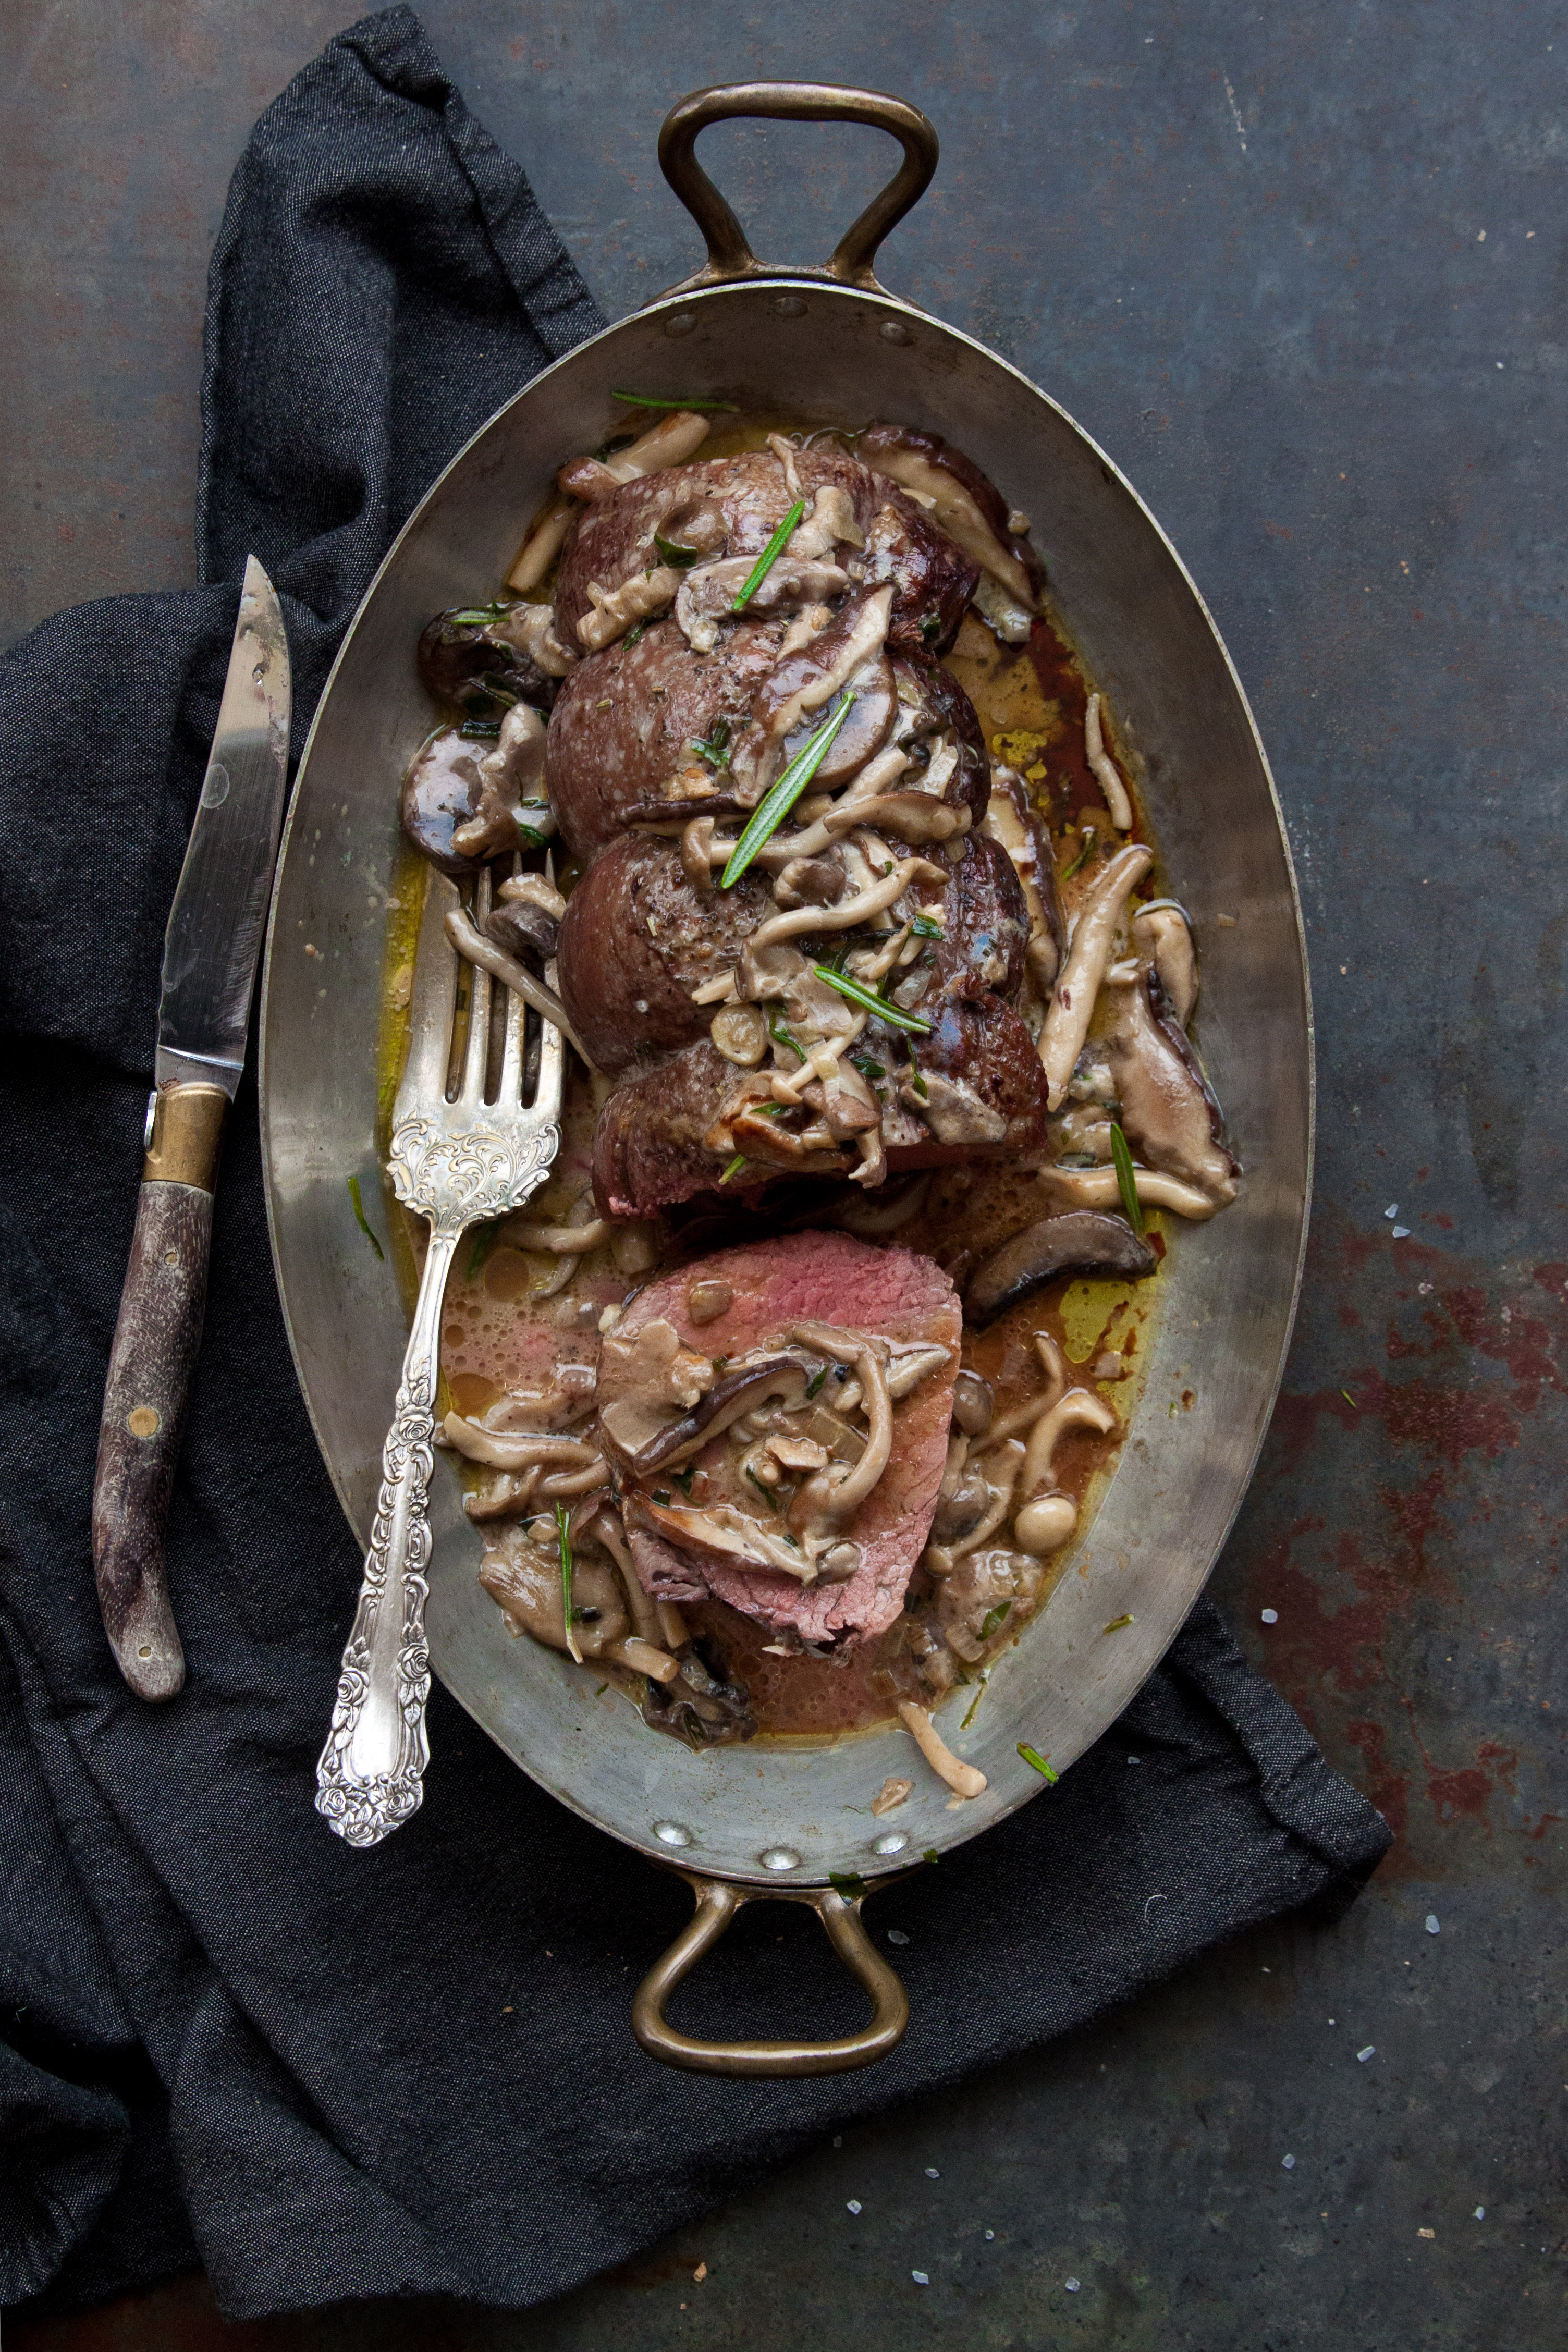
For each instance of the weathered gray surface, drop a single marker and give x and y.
(1245, 250)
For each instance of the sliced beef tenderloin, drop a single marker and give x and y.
(934, 579)
(663, 1135)
(774, 1287)
(669, 937)
(638, 937)
(933, 704)
(717, 507)
(625, 723)
(962, 503)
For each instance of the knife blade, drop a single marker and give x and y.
(211, 948)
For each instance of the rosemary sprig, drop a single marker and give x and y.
(646, 400)
(974, 1702)
(779, 1031)
(480, 730)
(714, 747)
(1127, 1182)
(564, 1537)
(734, 1167)
(869, 1002)
(1084, 854)
(1033, 1757)
(484, 1241)
(476, 616)
(769, 556)
(362, 1221)
(783, 795)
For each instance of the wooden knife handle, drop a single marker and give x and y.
(149, 1367)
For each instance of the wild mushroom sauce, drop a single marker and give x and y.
(888, 1013)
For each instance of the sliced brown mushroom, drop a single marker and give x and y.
(643, 1440)
(1084, 1242)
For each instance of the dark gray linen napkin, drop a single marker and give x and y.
(223, 2036)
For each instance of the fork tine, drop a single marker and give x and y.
(432, 1004)
(476, 1049)
(551, 1064)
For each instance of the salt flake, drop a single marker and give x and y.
(1434, 1927)
(1269, 1616)
(1071, 2285)
(1392, 1211)
(921, 2278)
(932, 2173)
(897, 1935)
(1288, 2162)
(1363, 2055)
(1480, 2213)
(1402, 1233)
(853, 2206)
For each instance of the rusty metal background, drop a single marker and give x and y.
(1302, 273)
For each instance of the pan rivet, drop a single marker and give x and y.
(672, 1833)
(789, 306)
(143, 1420)
(891, 331)
(779, 1857)
(681, 324)
(894, 1842)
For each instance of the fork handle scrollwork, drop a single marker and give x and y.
(370, 1778)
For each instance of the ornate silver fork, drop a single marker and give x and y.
(456, 1162)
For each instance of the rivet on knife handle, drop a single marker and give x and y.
(151, 1362)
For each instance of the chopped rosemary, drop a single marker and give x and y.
(678, 557)
(734, 1167)
(661, 1496)
(602, 1689)
(714, 746)
(866, 1065)
(633, 635)
(769, 1498)
(869, 1002)
(362, 1221)
(995, 1619)
(917, 1084)
(485, 1239)
(1127, 1182)
(783, 795)
(848, 1883)
(1031, 1756)
(975, 1700)
(500, 689)
(534, 840)
(1344, 1392)
(931, 626)
(812, 1386)
(1084, 854)
(646, 400)
(563, 1539)
(477, 616)
(1117, 1623)
(683, 1479)
(779, 1031)
(931, 1855)
(769, 556)
(924, 929)
(480, 730)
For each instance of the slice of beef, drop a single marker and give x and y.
(671, 937)
(638, 937)
(721, 506)
(774, 1285)
(934, 579)
(931, 703)
(986, 1099)
(623, 731)
(891, 448)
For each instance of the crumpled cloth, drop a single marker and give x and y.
(224, 2037)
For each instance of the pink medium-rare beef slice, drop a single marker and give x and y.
(776, 1284)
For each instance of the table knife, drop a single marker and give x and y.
(210, 953)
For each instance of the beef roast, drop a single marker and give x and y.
(775, 1284)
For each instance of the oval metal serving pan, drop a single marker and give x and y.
(828, 350)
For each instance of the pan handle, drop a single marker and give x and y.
(717, 1903)
(729, 255)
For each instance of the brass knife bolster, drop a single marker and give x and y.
(187, 1131)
